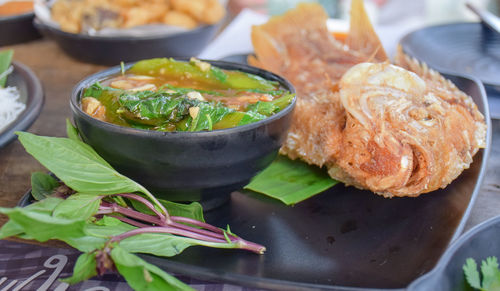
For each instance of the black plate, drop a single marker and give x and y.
(343, 238)
(480, 242)
(31, 93)
(104, 50)
(469, 48)
(17, 28)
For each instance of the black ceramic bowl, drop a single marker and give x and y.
(105, 50)
(17, 28)
(187, 166)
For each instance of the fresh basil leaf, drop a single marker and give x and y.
(36, 222)
(108, 221)
(193, 210)
(77, 165)
(42, 185)
(165, 245)
(71, 131)
(471, 273)
(143, 276)
(290, 181)
(108, 227)
(42, 226)
(5, 60)
(78, 206)
(45, 206)
(86, 243)
(10, 228)
(84, 269)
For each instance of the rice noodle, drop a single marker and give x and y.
(10, 106)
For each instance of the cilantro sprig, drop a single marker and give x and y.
(488, 280)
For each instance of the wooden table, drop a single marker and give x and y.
(59, 73)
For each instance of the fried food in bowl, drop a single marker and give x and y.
(81, 16)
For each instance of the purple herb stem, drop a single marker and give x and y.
(146, 203)
(172, 225)
(114, 208)
(166, 229)
(196, 223)
(197, 230)
(130, 221)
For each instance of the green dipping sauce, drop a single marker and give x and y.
(167, 95)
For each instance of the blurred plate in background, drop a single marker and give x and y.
(31, 93)
(462, 48)
(17, 28)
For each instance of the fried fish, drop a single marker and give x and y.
(396, 129)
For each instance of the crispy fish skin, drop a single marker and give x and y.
(299, 47)
(405, 136)
(397, 130)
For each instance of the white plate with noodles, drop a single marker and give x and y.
(19, 107)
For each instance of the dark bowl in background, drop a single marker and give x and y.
(480, 242)
(17, 29)
(107, 50)
(187, 166)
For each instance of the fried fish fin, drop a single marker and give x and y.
(446, 90)
(270, 39)
(362, 36)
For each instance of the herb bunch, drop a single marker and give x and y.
(108, 216)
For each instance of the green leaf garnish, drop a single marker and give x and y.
(72, 131)
(141, 275)
(291, 181)
(42, 185)
(489, 271)
(192, 210)
(46, 226)
(110, 217)
(77, 164)
(471, 273)
(5, 60)
(156, 244)
(78, 206)
(84, 269)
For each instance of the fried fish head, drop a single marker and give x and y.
(404, 136)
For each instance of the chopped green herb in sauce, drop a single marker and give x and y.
(168, 95)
